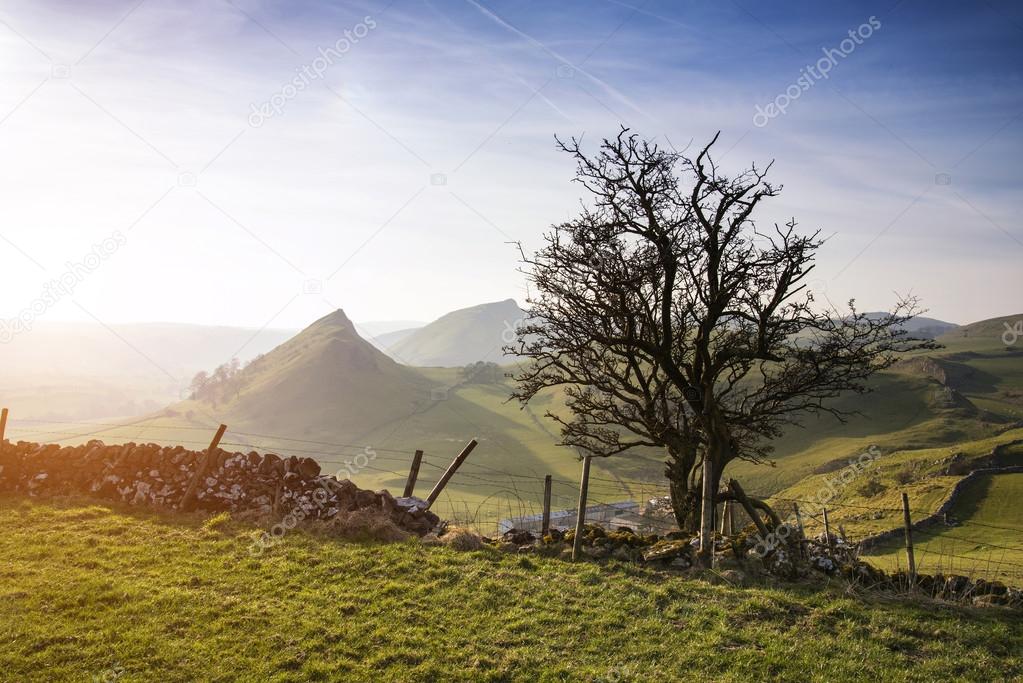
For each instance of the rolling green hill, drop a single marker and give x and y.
(328, 394)
(461, 337)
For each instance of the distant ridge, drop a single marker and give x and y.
(920, 326)
(385, 340)
(477, 333)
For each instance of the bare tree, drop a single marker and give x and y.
(671, 320)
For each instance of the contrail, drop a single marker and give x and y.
(610, 90)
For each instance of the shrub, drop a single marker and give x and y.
(871, 488)
(903, 477)
(362, 525)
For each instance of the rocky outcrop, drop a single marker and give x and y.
(156, 476)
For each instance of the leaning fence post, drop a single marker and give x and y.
(909, 540)
(545, 527)
(740, 495)
(827, 532)
(200, 469)
(413, 474)
(450, 472)
(580, 517)
(3, 424)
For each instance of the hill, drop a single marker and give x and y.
(92, 592)
(461, 337)
(986, 334)
(920, 326)
(326, 381)
(386, 340)
(385, 333)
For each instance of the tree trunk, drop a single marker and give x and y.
(684, 503)
(685, 500)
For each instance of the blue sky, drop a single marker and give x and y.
(392, 182)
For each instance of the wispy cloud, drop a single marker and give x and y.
(452, 81)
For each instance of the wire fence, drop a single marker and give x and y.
(949, 545)
(492, 498)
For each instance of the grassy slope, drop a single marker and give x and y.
(903, 413)
(461, 337)
(87, 589)
(989, 543)
(996, 383)
(862, 515)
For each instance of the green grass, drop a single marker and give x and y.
(923, 479)
(987, 543)
(87, 588)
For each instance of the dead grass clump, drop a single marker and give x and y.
(461, 539)
(363, 525)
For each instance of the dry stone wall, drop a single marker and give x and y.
(156, 476)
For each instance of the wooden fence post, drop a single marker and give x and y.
(727, 527)
(827, 532)
(413, 474)
(909, 540)
(450, 472)
(200, 470)
(799, 528)
(580, 517)
(3, 424)
(545, 527)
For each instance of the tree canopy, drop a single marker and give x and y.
(672, 319)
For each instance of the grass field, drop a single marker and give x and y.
(973, 548)
(89, 591)
(987, 542)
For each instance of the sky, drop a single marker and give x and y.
(260, 164)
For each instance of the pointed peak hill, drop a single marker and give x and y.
(325, 380)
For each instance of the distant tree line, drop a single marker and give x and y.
(481, 372)
(222, 384)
